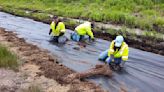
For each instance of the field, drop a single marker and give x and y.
(143, 14)
(139, 21)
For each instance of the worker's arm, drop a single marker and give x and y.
(50, 31)
(90, 33)
(62, 27)
(111, 49)
(125, 54)
(52, 27)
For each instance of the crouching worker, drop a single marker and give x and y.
(57, 30)
(118, 52)
(83, 32)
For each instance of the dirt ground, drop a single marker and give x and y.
(40, 68)
(27, 77)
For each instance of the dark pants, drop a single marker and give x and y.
(55, 38)
(104, 57)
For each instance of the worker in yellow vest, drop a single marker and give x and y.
(118, 52)
(83, 32)
(57, 29)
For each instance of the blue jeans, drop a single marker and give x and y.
(104, 57)
(76, 37)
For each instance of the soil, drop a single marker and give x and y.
(8, 80)
(21, 81)
(48, 66)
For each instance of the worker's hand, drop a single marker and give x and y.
(50, 31)
(92, 39)
(112, 60)
(111, 52)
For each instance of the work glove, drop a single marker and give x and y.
(50, 31)
(92, 39)
(112, 57)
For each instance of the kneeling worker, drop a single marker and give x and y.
(83, 32)
(118, 52)
(57, 29)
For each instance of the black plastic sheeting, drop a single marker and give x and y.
(144, 71)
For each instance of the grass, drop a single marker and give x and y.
(129, 34)
(72, 24)
(7, 58)
(33, 88)
(143, 14)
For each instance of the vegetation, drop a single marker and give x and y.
(7, 59)
(144, 14)
(33, 88)
(153, 35)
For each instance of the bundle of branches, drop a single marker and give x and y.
(97, 70)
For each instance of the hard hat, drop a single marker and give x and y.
(118, 41)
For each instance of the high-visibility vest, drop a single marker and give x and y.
(59, 28)
(123, 52)
(84, 29)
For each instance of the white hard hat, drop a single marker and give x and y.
(118, 41)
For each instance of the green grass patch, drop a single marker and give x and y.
(143, 14)
(71, 24)
(8, 59)
(33, 88)
(114, 11)
(130, 34)
(40, 16)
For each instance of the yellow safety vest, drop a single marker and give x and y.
(123, 52)
(60, 28)
(84, 29)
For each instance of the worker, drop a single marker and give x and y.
(57, 29)
(118, 52)
(83, 32)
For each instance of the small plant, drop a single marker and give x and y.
(33, 88)
(8, 59)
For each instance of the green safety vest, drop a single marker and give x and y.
(60, 28)
(84, 29)
(123, 52)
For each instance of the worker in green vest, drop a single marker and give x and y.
(57, 29)
(83, 32)
(117, 52)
